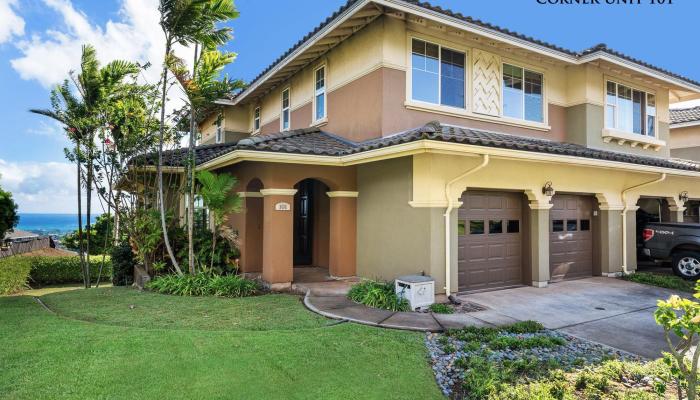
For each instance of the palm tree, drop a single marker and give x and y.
(219, 200)
(201, 88)
(187, 22)
(84, 115)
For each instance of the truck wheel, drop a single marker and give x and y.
(686, 264)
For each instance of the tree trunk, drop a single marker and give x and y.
(191, 175)
(159, 167)
(88, 207)
(213, 249)
(80, 217)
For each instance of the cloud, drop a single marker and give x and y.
(135, 36)
(12, 24)
(52, 130)
(47, 187)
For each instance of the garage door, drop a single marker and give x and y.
(571, 238)
(489, 254)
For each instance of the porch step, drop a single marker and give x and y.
(327, 288)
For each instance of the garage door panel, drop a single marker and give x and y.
(491, 258)
(571, 240)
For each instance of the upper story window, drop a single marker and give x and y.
(522, 94)
(256, 119)
(630, 110)
(320, 93)
(437, 74)
(284, 120)
(219, 131)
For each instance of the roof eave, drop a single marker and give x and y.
(686, 124)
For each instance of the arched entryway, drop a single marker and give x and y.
(311, 231)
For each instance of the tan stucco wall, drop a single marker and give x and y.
(394, 238)
(584, 126)
(687, 153)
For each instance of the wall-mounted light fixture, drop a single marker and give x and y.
(683, 196)
(548, 190)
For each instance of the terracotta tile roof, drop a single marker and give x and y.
(447, 12)
(684, 115)
(313, 141)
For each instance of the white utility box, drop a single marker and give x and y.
(419, 290)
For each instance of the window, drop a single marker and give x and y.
(630, 110)
(201, 213)
(437, 74)
(495, 226)
(461, 227)
(476, 227)
(585, 224)
(513, 226)
(320, 94)
(256, 119)
(571, 225)
(558, 225)
(522, 94)
(219, 131)
(284, 120)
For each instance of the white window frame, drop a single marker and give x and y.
(522, 100)
(317, 92)
(288, 109)
(257, 112)
(616, 116)
(219, 136)
(467, 74)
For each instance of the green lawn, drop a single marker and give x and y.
(115, 343)
(667, 281)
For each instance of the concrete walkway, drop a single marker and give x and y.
(609, 311)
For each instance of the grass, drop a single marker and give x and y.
(263, 347)
(662, 280)
(378, 295)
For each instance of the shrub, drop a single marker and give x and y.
(522, 327)
(515, 342)
(378, 295)
(439, 308)
(52, 270)
(204, 285)
(14, 273)
(122, 264)
(665, 281)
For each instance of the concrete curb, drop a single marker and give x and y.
(327, 314)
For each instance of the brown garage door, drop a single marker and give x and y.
(570, 238)
(489, 254)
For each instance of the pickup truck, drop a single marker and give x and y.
(677, 242)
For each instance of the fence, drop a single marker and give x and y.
(13, 249)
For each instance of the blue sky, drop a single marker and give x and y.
(42, 39)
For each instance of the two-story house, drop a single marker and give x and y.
(398, 138)
(684, 143)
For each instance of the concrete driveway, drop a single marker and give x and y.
(604, 310)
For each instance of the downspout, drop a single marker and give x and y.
(624, 217)
(450, 207)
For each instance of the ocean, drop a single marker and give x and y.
(50, 224)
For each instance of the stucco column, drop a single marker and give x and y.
(631, 234)
(610, 234)
(539, 243)
(249, 224)
(343, 233)
(278, 234)
(676, 213)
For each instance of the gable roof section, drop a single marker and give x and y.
(685, 117)
(345, 13)
(313, 141)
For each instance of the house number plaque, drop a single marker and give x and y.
(282, 207)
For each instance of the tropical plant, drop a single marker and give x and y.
(218, 197)
(145, 236)
(221, 261)
(680, 317)
(201, 87)
(378, 295)
(122, 264)
(102, 229)
(203, 284)
(8, 213)
(84, 115)
(186, 22)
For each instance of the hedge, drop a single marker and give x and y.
(51, 270)
(14, 272)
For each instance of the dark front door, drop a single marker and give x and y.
(303, 223)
